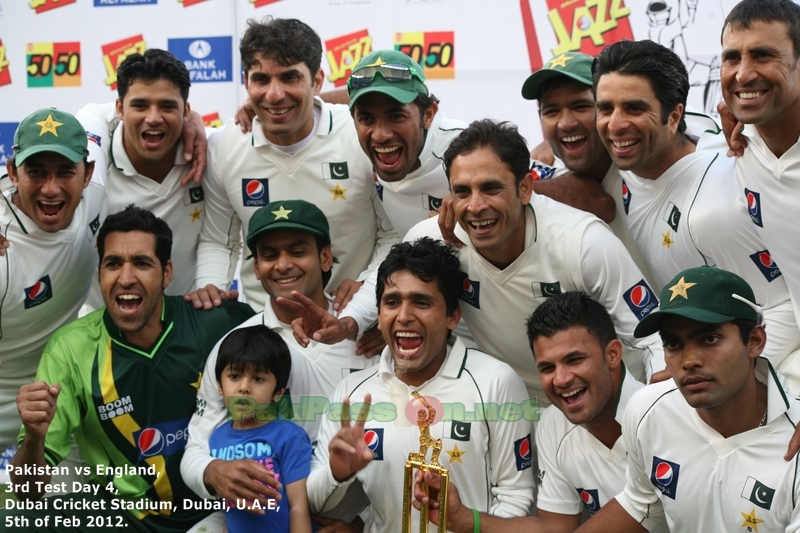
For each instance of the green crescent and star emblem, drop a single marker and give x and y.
(196, 194)
(460, 430)
(339, 171)
(94, 225)
(545, 289)
(433, 203)
(282, 213)
(758, 493)
(674, 217)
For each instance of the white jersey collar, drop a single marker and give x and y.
(777, 402)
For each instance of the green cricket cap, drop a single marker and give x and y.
(50, 130)
(288, 214)
(705, 294)
(570, 64)
(404, 91)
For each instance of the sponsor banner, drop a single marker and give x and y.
(434, 51)
(105, 3)
(54, 64)
(116, 52)
(5, 72)
(588, 26)
(208, 59)
(7, 130)
(344, 52)
(40, 6)
(212, 120)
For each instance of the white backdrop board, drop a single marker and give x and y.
(476, 53)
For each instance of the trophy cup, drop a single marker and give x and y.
(425, 418)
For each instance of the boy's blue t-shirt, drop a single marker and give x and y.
(281, 446)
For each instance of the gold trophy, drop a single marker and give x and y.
(425, 418)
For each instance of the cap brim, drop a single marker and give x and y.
(69, 153)
(532, 88)
(404, 96)
(652, 322)
(282, 225)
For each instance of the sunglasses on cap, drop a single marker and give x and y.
(393, 73)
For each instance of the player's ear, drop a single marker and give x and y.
(757, 341)
(186, 110)
(427, 117)
(89, 167)
(525, 189)
(167, 274)
(319, 79)
(614, 354)
(11, 170)
(453, 319)
(326, 258)
(119, 109)
(674, 118)
(278, 394)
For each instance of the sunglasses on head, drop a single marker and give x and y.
(393, 73)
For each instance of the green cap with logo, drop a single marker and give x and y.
(288, 214)
(706, 294)
(390, 72)
(50, 130)
(570, 64)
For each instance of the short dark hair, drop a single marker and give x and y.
(429, 260)
(424, 101)
(558, 82)
(134, 218)
(662, 68)
(12, 161)
(746, 328)
(567, 310)
(285, 41)
(257, 347)
(504, 140)
(747, 12)
(154, 65)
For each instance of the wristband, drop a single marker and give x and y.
(477, 519)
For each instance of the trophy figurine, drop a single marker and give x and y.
(416, 460)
